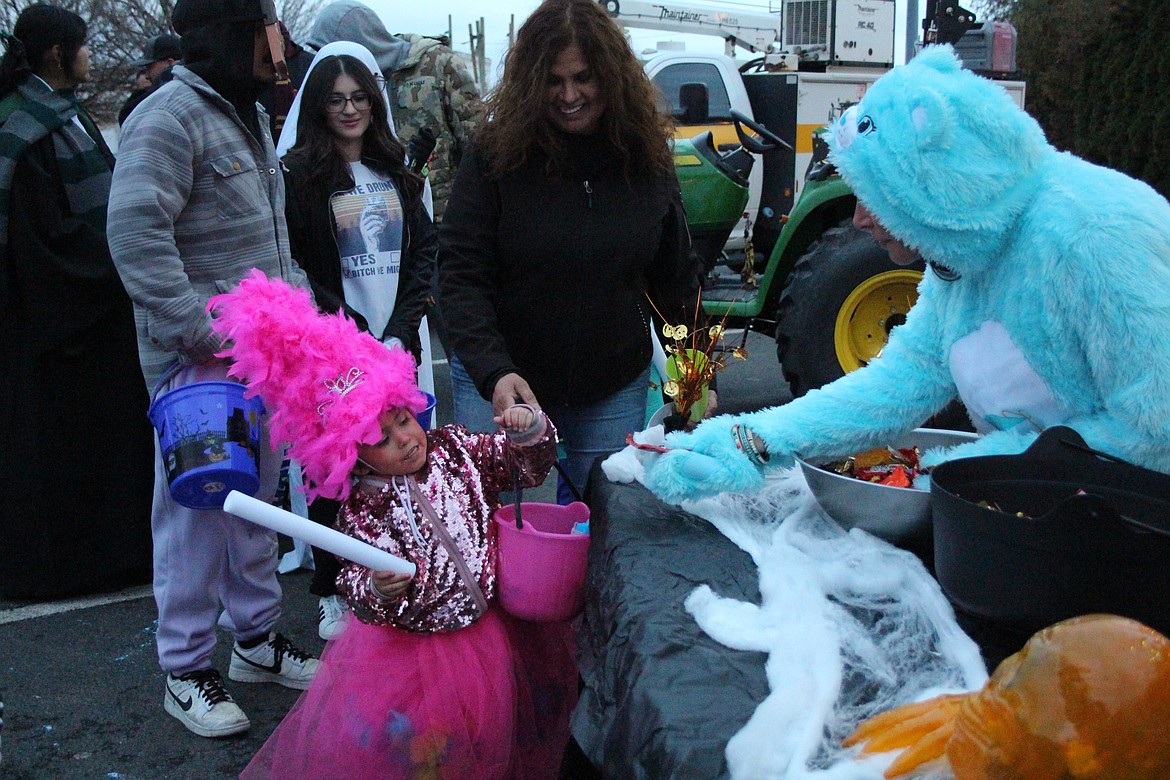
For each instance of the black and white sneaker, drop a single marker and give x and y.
(275, 660)
(200, 702)
(332, 615)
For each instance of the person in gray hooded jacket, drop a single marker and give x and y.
(429, 86)
(197, 201)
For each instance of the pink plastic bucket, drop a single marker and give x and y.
(542, 565)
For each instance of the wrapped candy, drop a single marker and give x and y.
(883, 465)
(1086, 698)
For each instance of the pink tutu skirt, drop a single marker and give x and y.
(488, 701)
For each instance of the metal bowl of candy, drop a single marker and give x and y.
(851, 491)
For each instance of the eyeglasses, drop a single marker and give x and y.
(336, 103)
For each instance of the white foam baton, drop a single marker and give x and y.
(277, 519)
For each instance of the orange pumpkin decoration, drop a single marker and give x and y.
(1085, 699)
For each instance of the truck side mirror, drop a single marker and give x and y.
(692, 101)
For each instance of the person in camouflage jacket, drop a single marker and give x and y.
(435, 88)
(429, 86)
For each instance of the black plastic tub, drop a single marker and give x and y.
(1095, 536)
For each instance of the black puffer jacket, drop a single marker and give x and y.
(546, 275)
(314, 246)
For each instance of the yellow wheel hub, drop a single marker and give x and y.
(870, 312)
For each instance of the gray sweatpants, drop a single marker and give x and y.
(208, 560)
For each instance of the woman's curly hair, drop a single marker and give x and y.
(519, 127)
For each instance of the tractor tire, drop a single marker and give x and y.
(841, 301)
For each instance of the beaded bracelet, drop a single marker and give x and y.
(745, 442)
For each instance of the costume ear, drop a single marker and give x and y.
(940, 58)
(929, 118)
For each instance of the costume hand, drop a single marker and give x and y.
(516, 419)
(703, 463)
(510, 390)
(389, 585)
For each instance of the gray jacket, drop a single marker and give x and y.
(196, 202)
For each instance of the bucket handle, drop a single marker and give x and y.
(1095, 507)
(565, 476)
(1144, 525)
(517, 490)
(167, 376)
(1105, 455)
(1080, 445)
(516, 496)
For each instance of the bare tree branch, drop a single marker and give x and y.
(120, 29)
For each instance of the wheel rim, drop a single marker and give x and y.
(871, 311)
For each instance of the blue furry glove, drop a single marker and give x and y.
(703, 463)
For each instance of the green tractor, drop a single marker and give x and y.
(825, 290)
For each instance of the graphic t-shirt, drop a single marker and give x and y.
(369, 222)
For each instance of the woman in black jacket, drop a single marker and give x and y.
(565, 218)
(358, 228)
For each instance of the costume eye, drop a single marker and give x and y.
(865, 125)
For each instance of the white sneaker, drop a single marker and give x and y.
(273, 661)
(332, 615)
(200, 702)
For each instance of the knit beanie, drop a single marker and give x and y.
(192, 14)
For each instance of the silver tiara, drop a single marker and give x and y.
(341, 386)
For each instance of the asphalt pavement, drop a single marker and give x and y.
(80, 679)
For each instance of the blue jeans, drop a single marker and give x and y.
(587, 432)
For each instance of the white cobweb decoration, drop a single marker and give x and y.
(852, 626)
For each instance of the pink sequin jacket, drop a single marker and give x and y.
(464, 475)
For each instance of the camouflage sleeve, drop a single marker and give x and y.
(463, 106)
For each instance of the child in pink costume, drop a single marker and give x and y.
(432, 680)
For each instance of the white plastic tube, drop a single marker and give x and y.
(326, 538)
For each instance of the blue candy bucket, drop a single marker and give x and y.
(209, 435)
(426, 415)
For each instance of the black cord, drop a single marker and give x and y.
(565, 476)
(516, 495)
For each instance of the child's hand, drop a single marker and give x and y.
(516, 419)
(389, 585)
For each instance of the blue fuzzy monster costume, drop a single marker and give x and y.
(1047, 299)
